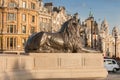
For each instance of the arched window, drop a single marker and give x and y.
(12, 4)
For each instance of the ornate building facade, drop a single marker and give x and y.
(98, 37)
(45, 18)
(116, 43)
(110, 43)
(18, 20)
(91, 33)
(104, 36)
(21, 18)
(59, 16)
(113, 49)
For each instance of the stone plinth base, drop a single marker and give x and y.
(52, 65)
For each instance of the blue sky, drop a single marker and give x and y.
(109, 9)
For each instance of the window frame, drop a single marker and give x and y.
(11, 42)
(12, 5)
(11, 29)
(24, 17)
(24, 29)
(24, 4)
(33, 19)
(11, 16)
(32, 30)
(32, 5)
(24, 40)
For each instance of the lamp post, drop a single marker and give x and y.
(115, 43)
(91, 34)
(115, 35)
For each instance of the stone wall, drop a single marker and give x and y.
(53, 65)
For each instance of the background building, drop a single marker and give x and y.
(21, 18)
(98, 37)
(45, 18)
(104, 36)
(18, 20)
(59, 16)
(91, 32)
(110, 43)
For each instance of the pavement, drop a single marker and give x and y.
(111, 76)
(114, 76)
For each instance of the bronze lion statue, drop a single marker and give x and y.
(66, 40)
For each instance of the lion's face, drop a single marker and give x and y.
(73, 28)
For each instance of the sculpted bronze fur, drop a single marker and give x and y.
(67, 40)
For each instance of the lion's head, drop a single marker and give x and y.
(72, 30)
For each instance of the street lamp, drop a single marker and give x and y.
(115, 34)
(115, 42)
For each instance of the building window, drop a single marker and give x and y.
(32, 30)
(24, 17)
(32, 6)
(11, 16)
(23, 28)
(11, 43)
(15, 42)
(7, 42)
(12, 4)
(24, 40)
(33, 18)
(24, 4)
(11, 29)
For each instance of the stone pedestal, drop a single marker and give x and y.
(52, 65)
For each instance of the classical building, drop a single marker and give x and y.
(98, 37)
(56, 15)
(45, 18)
(110, 43)
(59, 16)
(91, 32)
(104, 36)
(21, 18)
(18, 20)
(113, 49)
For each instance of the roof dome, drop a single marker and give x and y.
(105, 22)
(115, 31)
